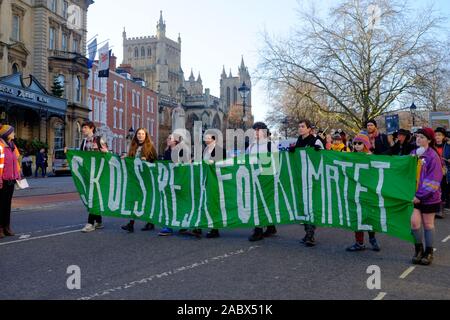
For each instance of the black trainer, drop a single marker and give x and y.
(271, 231)
(197, 233)
(257, 235)
(129, 227)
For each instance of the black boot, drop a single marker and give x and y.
(271, 231)
(418, 255)
(257, 235)
(129, 227)
(148, 227)
(427, 258)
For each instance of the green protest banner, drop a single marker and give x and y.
(353, 191)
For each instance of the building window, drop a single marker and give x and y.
(96, 110)
(115, 90)
(89, 83)
(228, 97)
(59, 136)
(121, 92)
(143, 52)
(149, 52)
(77, 136)
(152, 128)
(136, 53)
(138, 124)
(103, 112)
(134, 99)
(115, 118)
(65, 10)
(235, 95)
(148, 104)
(64, 46)
(52, 35)
(15, 68)
(75, 45)
(121, 119)
(152, 105)
(138, 100)
(96, 83)
(54, 5)
(133, 120)
(16, 28)
(78, 89)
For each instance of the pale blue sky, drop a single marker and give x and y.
(213, 32)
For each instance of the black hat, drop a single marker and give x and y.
(373, 121)
(441, 130)
(259, 126)
(404, 132)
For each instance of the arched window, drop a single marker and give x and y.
(78, 89)
(149, 52)
(228, 97)
(235, 94)
(15, 68)
(143, 52)
(136, 53)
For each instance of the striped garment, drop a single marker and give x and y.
(3, 145)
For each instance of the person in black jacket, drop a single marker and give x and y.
(305, 140)
(379, 141)
(402, 147)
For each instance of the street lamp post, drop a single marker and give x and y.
(244, 91)
(285, 124)
(413, 109)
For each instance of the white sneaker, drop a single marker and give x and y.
(99, 226)
(88, 228)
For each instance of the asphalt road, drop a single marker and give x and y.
(117, 265)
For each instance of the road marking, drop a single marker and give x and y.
(446, 239)
(380, 296)
(169, 273)
(37, 238)
(24, 236)
(407, 272)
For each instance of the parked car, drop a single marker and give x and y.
(60, 163)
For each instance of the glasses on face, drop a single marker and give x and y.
(358, 143)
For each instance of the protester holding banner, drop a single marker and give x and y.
(261, 146)
(338, 144)
(379, 141)
(91, 142)
(142, 148)
(361, 143)
(441, 144)
(306, 139)
(403, 146)
(9, 174)
(427, 201)
(172, 142)
(211, 154)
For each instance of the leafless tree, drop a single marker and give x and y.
(357, 62)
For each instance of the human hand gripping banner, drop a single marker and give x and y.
(352, 191)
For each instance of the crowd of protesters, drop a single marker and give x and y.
(431, 201)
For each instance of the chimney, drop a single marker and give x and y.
(113, 63)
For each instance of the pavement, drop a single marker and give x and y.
(117, 265)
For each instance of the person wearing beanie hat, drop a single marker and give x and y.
(362, 144)
(441, 143)
(9, 174)
(427, 201)
(338, 144)
(379, 141)
(403, 146)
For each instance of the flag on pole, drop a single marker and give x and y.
(92, 52)
(104, 58)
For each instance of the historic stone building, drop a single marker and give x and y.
(41, 43)
(157, 60)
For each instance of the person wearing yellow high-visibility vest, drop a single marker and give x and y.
(9, 174)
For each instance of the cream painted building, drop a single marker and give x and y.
(43, 40)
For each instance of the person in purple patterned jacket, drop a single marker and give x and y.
(428, 197)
